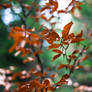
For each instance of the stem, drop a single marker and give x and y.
(75, 60)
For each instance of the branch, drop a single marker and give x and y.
(37, 55)
(75, 60)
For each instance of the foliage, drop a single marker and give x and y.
(28, 43)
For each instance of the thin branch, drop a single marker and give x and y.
(75, 60)
(37, 55)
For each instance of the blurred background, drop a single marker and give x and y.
(82, 20)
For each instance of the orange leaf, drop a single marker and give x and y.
(55, 6)
(80, 34)
(46, 82)
(44, 32)
(84, 58)
(62, 11)
(51, 89)
(56, 56)
(57, 51)
(61, 66)
(78, 67)
(38, 74)
(34, 36)
(70, 36)
(44, 8)
(53, 75)
(54, 46)
(75, 51)
(43, 17)
(52, 36)
(75, 40)
(65, 43)
(66, 29)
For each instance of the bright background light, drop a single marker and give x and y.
(63, 18)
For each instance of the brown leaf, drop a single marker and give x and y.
(78, 67)
(55, 6)
(80, 34)
(62, 11)
(43, 17)
(44, 32)
(38, 74)
(44, 8)
(76, 40)
(53, 46)
(46, 82)
(70, 36)
(34, 36)
(53, 75)
(57, 51)
(85, 57)
(56, 56)
(51, 89)
(66, 29)
(65, 43)
(75, 51)
(61, 66)
(52, 36)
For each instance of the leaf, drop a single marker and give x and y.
(38, 74)
(52, 36)
(55, 6)
(27, 6)
(37, 52)
(54, 46)
(53, 75)
(80, 34)
(62, 11)
(72, 10)
(66, 29)
(57, 51)
(61, 66)
(13, 47)
(51, 89)
(75, 51)
(5, 5)
(70, 36)
(34, 36)
(43, 17)
(85, 57)
(46, 82)
(65, 43)
(66, 76)
(56, 56)
(76, 40)
(44, 32)
(44, 8)
(79, 67)
(17, 29)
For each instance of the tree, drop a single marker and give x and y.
(28, 42)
